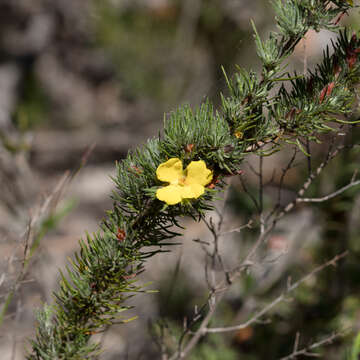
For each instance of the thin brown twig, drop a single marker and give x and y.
(214, 256)
(252, 169)
(332, 195)
(281, 183)
(217, 292)
(314, 175)
(280, 298)
(214, 301)
(296, 343)
(307, 351)
(238, 229)
(268, 229)
(29, 242)
(47, 207)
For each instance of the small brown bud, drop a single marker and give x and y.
(236, 172)
(330, 88)
(136, 169)
(213, 183)
(131, 276)
(322, 94)
(91, 332)
(189, 148)
(121, 234)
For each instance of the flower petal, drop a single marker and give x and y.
(192, 191)
(170, 170)
(170, 194)
(198, 173)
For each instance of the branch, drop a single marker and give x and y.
(330, 196)
(279, 299)
(306, 351)
(214, 301)
(31, 240)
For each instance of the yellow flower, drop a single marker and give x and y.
(188, 184)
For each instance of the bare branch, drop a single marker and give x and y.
(30, 235)
(332, 195)
(214, 301)
(306, 351)
(238, 229)
(217, 290)
(296, 343)
(30, 239)
(279, 299)
(330, 155)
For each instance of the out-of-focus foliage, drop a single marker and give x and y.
(355, 351)
(139, 41)
(215, 348)
(158, 49)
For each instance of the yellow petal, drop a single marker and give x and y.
(192, 191)
(170, 194)
(198, 173)
(170, 170)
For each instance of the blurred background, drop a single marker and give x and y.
(76, 73)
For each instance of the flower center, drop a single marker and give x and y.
(182, 180)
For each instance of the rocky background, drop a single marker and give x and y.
(81, 83)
